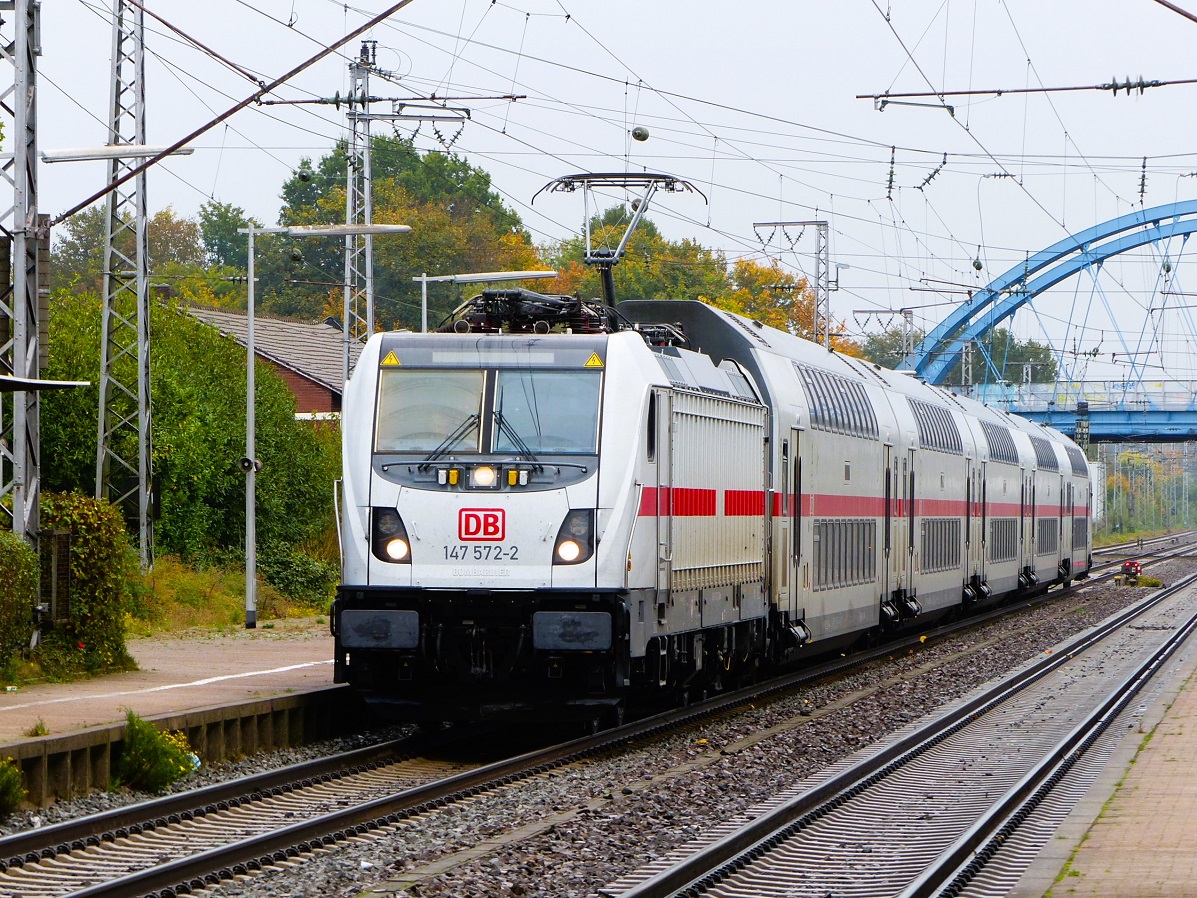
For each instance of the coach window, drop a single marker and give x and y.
(847, 472)
(652, 426)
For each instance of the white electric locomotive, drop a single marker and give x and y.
(556, 505)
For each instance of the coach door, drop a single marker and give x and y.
(889, 500)
(983, 535)
(664, 434)
(905, 559)
(973, 519)
(789, 512)
(1027, 515)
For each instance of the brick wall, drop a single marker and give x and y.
(309, 395)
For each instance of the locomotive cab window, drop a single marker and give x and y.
(419, 409)
(546, 411)
(505, 411)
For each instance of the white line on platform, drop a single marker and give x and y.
(203, 682)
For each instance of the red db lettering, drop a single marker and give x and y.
(482, 525)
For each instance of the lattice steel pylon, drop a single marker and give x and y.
(821, 331)
(124, 447)
(20, 484)
(359, 205)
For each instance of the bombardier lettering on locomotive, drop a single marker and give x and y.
(555, 505)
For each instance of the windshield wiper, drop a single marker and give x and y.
(516, 439)
(450, 441)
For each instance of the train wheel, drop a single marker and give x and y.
(615, 716)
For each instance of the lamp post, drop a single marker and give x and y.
(481, 277)
(250, 464)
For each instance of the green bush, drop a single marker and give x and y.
(150, 759)
(298, 575)
(18, 573)
(94, 637)
(199, 435)
(12, 791)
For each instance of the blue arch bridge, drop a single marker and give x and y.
(1133, 408)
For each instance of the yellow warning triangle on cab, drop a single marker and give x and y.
(390, 361)
(594, 361)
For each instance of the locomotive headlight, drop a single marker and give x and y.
(575, 539)
(388, 537)
(484, 477)
(568, 551)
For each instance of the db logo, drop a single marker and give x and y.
(482, 524)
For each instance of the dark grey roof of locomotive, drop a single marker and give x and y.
(707, 329)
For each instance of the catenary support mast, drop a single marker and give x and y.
(124, 448)
(20, 356)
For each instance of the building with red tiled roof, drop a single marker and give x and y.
(308, 355)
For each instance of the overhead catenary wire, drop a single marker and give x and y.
(203, 129)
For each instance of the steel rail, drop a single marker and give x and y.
(59, 838)
(962, 860)
(738, 849)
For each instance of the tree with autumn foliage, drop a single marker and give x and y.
(77, 255)
(651, 268)
(778, 299)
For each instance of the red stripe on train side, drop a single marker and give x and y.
(689, 502)
(694, 502)
(648, 501)
(678, 501)
(941, 508)
(738, 503)
(783, 504)
(832, 506)
(1004, 509)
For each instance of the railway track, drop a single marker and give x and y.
(929, 810)
(288, 813)
(1116, 552)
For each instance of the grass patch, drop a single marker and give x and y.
(38, 729)
(175, 596)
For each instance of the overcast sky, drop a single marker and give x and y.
(753, 102)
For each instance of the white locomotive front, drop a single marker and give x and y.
(486, 556)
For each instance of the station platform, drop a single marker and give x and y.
(1135, 833)
(177, 673)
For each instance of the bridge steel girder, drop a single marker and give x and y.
(1117, 426)
(997, 301)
